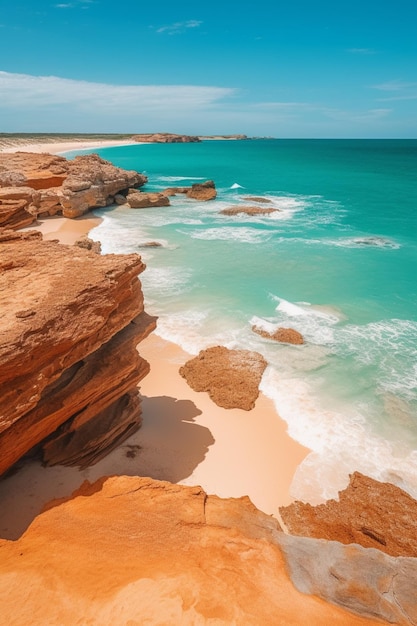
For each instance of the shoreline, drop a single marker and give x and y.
(62, 146)
(58, 147)
(185, 438)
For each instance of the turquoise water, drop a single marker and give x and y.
(336, 262)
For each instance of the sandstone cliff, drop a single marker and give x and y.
(71, 320)
(138, 551)
(52, 184)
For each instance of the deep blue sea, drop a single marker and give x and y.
(337, 262)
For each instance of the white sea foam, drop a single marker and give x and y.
(315, 323)
(390, 347)
(340, 443)
(236, 186)
(195, 330)
(166, 281)
(229, 233)
(174, 179)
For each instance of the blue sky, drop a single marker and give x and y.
(282, 69)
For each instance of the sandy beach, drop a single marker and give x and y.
(185, 438)
(65, 146)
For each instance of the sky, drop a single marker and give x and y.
(299, 68)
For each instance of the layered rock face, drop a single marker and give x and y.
(231, 377)
(71, 320)
(131, 550)
(369, 513)
(51, 184)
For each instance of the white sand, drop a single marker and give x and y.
(59, 147)
(65, 230)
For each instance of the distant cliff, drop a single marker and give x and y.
(165, 138)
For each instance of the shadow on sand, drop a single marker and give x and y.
(169, 446)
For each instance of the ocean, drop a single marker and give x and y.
(337, 261)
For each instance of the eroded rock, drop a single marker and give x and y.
(368, 512)
(203, 191)
(283, 335)
(142, 200)
(65, 313)
(129, 550)
(88, 244)
(231, 377)
(364, 581)
(54, 184)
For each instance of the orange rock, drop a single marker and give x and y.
(141, 200)
(165, 138)
(368, 512)
(70, 323)
(231, 377)
(284, 335)
(14, 214)
(203, 191)
(130, 550)
(56, 184)
(172, 191)
(259, 199)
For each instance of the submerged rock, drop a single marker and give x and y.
(248, 210)
(151, 244)
(259, 199)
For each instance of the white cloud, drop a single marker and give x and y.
(361, 51)
(400, 90)
(368, 116)
(395, 85)
(179, 27)
(33, 92)
(83, 4)
(302, 108)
